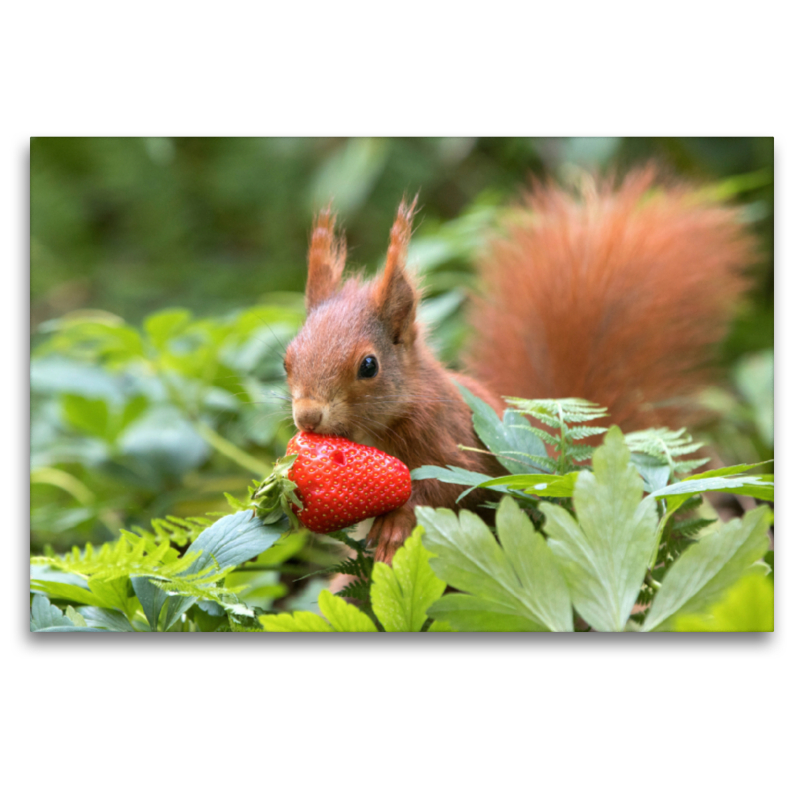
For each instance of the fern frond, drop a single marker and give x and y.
(583, 432)
(578, 452)
(666, 446)
(539, 433)
(682, 467)
(356, 590)
(566, 409)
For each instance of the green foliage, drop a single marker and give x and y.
(400, 595)
(513, 440)
(513, 585)
(707, 569)
(746, 606)
(564, 417)
(604, 554)
(47, 618)
(137, 580)
(665, 447)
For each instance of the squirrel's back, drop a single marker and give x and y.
(618, 296)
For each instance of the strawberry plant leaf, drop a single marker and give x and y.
(604, 554)
(106, 619)
(299, 622)
(402, 593)
(513, 585)
(342, 618)
(708, 568)
(47, 618)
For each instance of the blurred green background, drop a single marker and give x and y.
(166, 277)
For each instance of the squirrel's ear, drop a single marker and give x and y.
(394, 292)
(326, 257)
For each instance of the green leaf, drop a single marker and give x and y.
(75, 617)
(604, 555)
(234, 539)
(748, 606)
(134, 409)
(47, 618)
(506, 436)
(106, 619)
(46, 615)
(85, 415)
(151, 597)
(402, 593)
(74, 594)
(299, 622)
(708, 568)
(513, 585)
(165, 325)
(759, 486)
(542, 485)
(343, 618)
(455, 475)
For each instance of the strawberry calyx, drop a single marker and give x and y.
(277, 495)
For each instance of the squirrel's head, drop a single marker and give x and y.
(346, 368)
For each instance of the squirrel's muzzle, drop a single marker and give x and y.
(307, 414)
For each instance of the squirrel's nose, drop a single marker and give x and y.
(307, 415)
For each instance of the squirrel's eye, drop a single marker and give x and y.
(368, 368)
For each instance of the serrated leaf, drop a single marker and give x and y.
(401, 593)
(604, 555)
(47, 618)
(708, 568)
(512, 585)
(299, 622)
(74, 617)
(343, 617)
(106, 619)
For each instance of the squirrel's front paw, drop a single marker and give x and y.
(389, 531)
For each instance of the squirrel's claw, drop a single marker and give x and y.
(389, 532)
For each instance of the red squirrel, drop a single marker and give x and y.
(616, 296)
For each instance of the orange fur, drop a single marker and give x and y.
(618, 297)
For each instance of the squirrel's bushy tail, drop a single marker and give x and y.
(618, 296)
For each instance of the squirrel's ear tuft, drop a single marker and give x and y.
(326, 257)
(394, 292)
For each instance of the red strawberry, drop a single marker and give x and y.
(340, 482)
